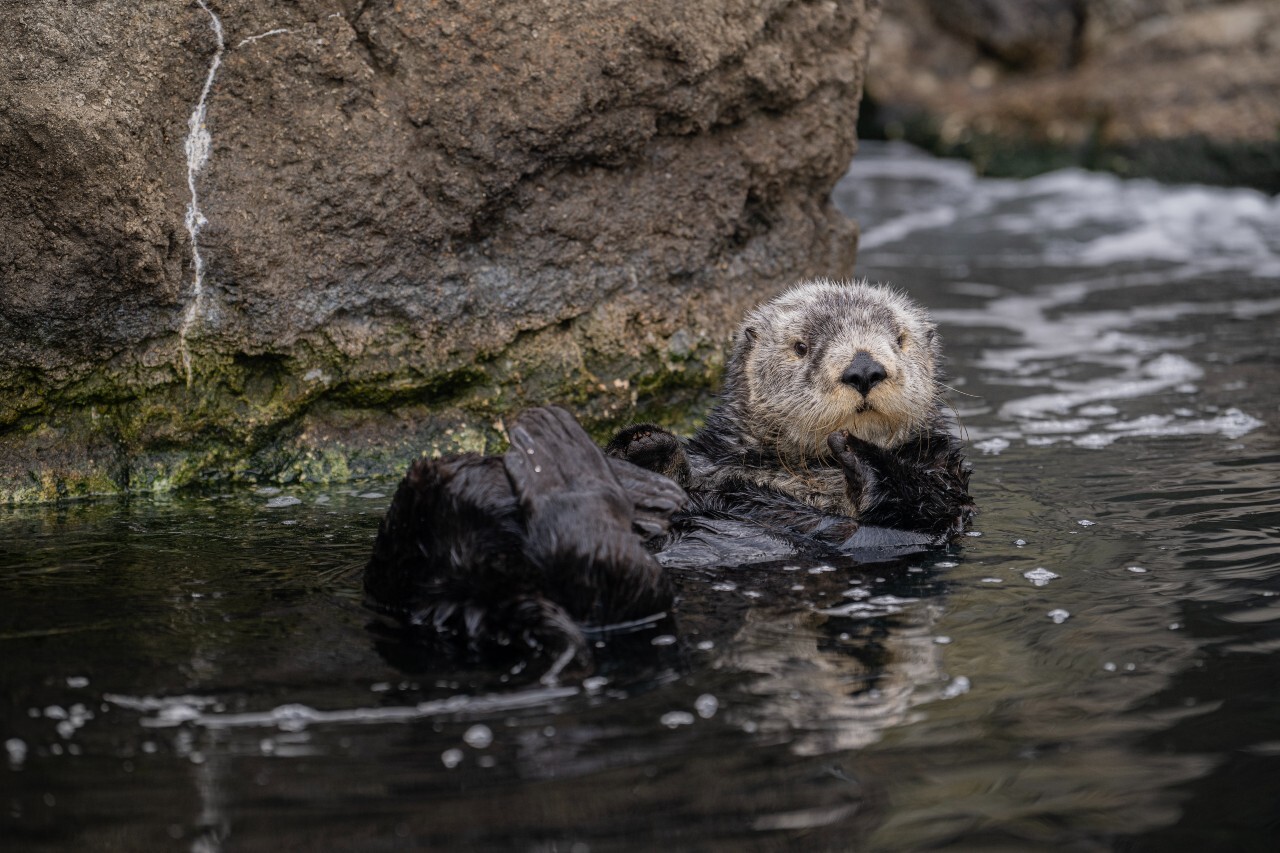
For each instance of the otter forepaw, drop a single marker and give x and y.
(653, 448)
(859, 477)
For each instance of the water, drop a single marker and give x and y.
(1096, 671)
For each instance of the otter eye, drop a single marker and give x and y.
(902, 340)
(801, 348)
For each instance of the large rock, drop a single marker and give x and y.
(1177, 89)
(245, 239)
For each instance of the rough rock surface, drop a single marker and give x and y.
(1176, 89)
(256, 240)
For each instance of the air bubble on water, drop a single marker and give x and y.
(1109, 666)
(993, 580)
(487, 761)
(537, 469)
(289, 522)
(1018, 543)
(478, 736)
(663, 640)
(1058, 615)
(823, 569)
(1137, 570)
(371, 495)
(944, 564)
(283, 501)
(958, 686)
(974, 533)
(675, 719)
(451, 758)
(724, 586)
(1084, 522)
(77, 681)
(594, 684)
(706, 705)
(797, 587)
(942, 640)
(55, 712)
(1173, 626)
(751, 593)
(267, 490)
(1040, 576)
(17, 749)
(1130, 667)
(706, 646)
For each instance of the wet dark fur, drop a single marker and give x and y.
(920, 486)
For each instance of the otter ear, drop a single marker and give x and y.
(750, 333)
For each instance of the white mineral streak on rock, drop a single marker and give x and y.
(198, 146)
(252, 39)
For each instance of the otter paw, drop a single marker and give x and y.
(851, 453)
(653, 448)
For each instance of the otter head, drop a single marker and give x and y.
(827, 356)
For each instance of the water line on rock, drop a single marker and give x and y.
(198, 146)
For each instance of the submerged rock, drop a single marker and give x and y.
(265, 241)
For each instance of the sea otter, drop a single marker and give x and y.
(830, 437)
(831, 422)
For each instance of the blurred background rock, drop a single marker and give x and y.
(1181, 90)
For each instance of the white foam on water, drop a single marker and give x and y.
(175, 711)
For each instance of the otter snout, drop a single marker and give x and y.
(863, 373)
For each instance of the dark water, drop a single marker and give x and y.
(1098, 670)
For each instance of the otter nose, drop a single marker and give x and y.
(864, 373)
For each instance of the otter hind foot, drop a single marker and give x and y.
(580, 523)
(524, 549)
(653, 448)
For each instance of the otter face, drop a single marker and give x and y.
(827, 356)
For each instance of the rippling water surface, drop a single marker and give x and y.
(1096, 670)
